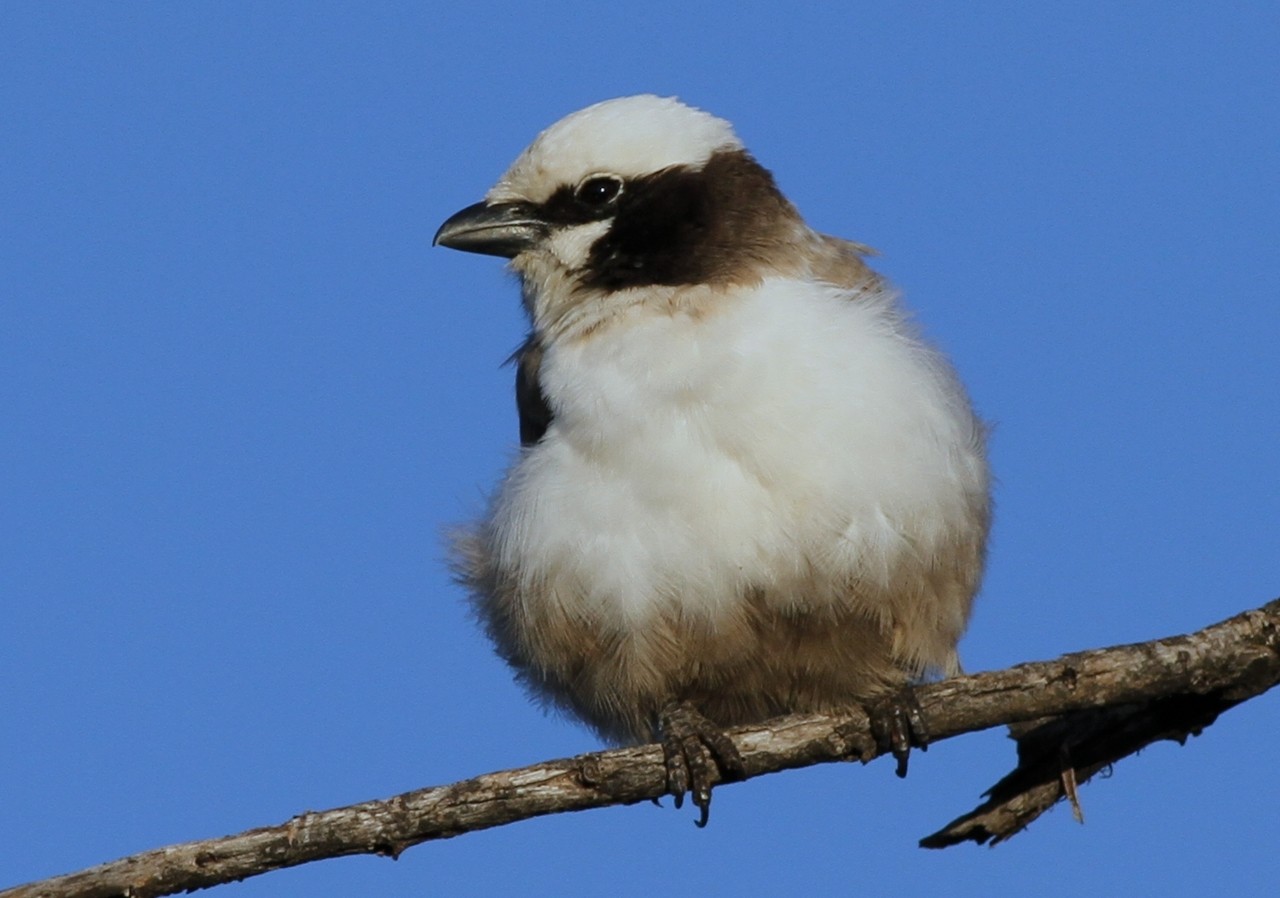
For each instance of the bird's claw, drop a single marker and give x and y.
(696, 753)
(898, 723)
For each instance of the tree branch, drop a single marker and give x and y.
(1072, 717)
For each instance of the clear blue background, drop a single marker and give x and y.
(241, 397)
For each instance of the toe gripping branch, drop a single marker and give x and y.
(898, 724)
(697, 754)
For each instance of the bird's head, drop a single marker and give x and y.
(635, 192)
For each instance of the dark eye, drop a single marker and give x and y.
(598, 191)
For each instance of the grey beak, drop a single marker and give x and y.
(495, 229)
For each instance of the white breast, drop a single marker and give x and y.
(789, 431)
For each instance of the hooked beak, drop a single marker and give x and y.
(495, 229)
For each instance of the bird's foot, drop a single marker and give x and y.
(898, 724)
(695, 751)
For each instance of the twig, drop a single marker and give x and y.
(1090, 708)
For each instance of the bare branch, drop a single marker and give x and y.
(1074, 716)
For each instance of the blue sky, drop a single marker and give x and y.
(241, 397)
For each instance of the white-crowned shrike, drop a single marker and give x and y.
(747, 486)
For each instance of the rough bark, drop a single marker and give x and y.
(1072, 717)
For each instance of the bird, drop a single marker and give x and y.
(747, 485)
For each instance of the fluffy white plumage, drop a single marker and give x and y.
(691, 459)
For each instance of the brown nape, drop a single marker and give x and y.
(694, 226)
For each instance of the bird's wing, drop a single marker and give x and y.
(531, 402)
